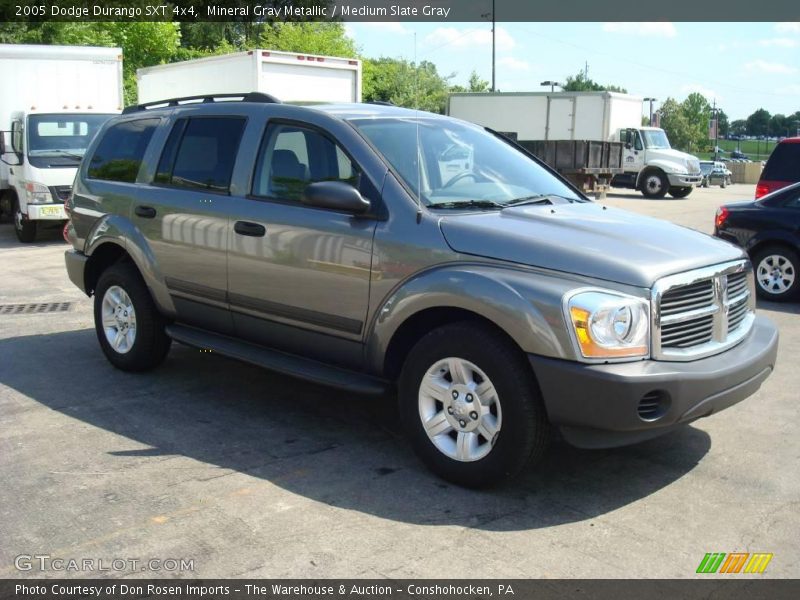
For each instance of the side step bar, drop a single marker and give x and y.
(274, 360)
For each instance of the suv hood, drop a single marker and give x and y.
(586, 239)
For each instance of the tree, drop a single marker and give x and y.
(697, 112)
(675, 124)
(581, 83)
(723, 125)
(405, 84)
(758, 122)
(738, 127)
(325, 38)
(476, 84)
(778, 125)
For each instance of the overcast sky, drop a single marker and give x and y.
(744, 66)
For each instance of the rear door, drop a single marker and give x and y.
(183, 214)
(298, 276)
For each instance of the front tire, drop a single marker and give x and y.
(129, 327)
(654, 184)
(776, 270)
(24, 228)
(470, 405)
(680, 192)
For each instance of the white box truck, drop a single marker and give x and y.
(648, 163)
(288, 76)
(53, 99)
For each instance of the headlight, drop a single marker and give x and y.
(609, 325)
(36, 193)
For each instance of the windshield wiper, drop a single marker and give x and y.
(468, 204)
(539, 199)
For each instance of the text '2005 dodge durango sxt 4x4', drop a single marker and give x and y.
(362, 245)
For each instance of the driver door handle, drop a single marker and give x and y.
(248, 228)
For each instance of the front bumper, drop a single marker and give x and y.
(597, 405)
(684, 180)
(76, 267)
(47, 212)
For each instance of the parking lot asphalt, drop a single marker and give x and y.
(251, 474)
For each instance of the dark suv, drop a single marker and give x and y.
(782, 168)
(361, 246)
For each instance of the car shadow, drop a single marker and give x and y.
(325, 445)
(50, 236)
(791, 308)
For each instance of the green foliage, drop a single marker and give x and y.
(676, 124)
(581, 83)
(328, 39)
(405, 84)
(758, 122)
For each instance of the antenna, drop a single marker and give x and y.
(416, 120)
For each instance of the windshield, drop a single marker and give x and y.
(655, 139)
(459, 164)
(62, 134)
(706, 167)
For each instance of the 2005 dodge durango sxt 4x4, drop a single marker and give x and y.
(362, 245)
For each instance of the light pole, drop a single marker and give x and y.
(552, 85)
(651, 100)
(486, 16)
(715, 117)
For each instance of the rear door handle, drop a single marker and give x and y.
(146, 212)
(248, 228)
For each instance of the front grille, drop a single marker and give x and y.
(702, 312)
(685, 334)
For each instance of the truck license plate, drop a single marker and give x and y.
(50, 211)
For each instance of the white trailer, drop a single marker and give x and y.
(288, 76)
(53, 99)
(648, 162)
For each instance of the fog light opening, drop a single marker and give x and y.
(653, 405)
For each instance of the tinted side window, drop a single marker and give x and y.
(794, 200)
(119, 154)
(200, 153)
(783, 164)
(292, 157)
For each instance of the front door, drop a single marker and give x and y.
(298, 276)
(633, 150)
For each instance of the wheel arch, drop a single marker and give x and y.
(524, 309)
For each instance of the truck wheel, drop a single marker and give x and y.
(654, 184)
(129, 327)
(470, 405)
(680, 192)
(25, 229)
(777, 276)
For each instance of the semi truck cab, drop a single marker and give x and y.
(653, 166)
(40, 156)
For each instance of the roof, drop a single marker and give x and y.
(366, 110)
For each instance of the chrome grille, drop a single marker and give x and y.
(702, 312)
(685, 334)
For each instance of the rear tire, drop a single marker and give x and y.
(680, 192)
(24, 228)
(493, 394)
(654, 184)
(777, 272)
(129, 327)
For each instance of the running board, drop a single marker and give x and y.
(281, 362)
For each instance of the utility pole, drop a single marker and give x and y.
(586, 71)
(494, 27)
(651, 100)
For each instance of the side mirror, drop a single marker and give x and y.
(628, 146)
(336, 195)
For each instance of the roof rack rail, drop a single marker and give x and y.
(380, 102)
(259, 97)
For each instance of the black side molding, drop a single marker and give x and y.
(281, 362)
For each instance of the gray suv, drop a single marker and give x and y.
(366, 246)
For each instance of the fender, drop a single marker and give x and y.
(666, 166)
(116, 229)
(524, 304)
(772, 236)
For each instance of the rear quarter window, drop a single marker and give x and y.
(783, 164)
(119, 154)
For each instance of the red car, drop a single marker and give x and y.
(783, 167)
